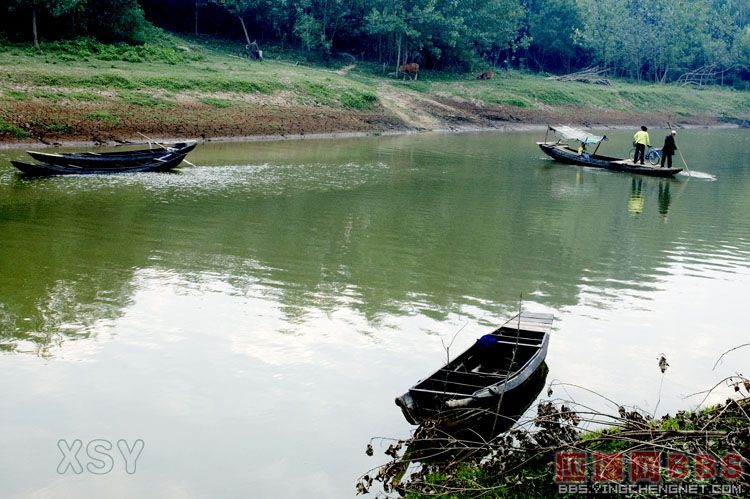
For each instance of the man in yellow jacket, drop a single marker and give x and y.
(641, 140)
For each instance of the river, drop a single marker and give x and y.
(251, 319)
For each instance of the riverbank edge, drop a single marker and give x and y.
(527, 462)
(503, 128)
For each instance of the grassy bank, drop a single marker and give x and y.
(177, 87)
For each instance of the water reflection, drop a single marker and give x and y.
(410, 226)
(665, 198)
(266, 306)
(636, 201)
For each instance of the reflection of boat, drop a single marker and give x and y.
(486, 375)
(112, 159)
(562, 152)
(154, 165)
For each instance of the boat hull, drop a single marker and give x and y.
(43, 169)
(566, 155)
(116, 159)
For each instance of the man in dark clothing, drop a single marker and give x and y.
(668, 150)
(254, 50)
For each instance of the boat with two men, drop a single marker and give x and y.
(560, 150)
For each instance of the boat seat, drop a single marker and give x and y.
(437, 392)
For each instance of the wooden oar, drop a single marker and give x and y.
(678, 150)
(162, 145)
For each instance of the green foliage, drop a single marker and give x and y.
(145, 100)
(640, 40)
(107, 81)
(362, 100)
(115, 20)
(106, 20)
(217, 103)
(89, 48)
(504, 100)
(236, 7)
(12, 130)
(56, 128)
(212, 85)
(104, 116)
(13, 94)
(319, 93)
(84, 96)
(311, 33)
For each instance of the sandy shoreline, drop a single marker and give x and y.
(505, 127)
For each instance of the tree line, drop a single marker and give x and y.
(650, 40)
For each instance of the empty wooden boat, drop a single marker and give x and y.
(114, 159)
(154, 165)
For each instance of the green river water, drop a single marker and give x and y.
(252, 318)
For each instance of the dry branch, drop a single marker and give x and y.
(595, 75)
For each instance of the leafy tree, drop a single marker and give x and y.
(552, 25)
(394, 19)
(492, 27)
(742, 49)
(114, 20)
(318, 22)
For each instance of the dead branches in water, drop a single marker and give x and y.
(594, 74)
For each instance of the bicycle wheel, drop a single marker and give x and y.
(631, 154)
(654, 157)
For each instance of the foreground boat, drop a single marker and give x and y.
(115, 159)
(562, 152)
(156, 165)
(451, 440)
(489, 374)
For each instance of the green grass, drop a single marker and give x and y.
(104, 116)
(85, 96)
(57, 128)
(315, 92)
(12, 130)
(168, 70)
(361, 100)
(523, 90)
(163, 49)
(16, 95)
(145, 100)
(217, 103)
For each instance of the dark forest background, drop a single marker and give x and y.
(706, 41)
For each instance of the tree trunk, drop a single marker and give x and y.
(196, 17)
(33, 26)
(398, 53)
(242, 21)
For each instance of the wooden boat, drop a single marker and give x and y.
(484, 376)
(154, 165)
(437, 440)
(115, 159)
(562, 152)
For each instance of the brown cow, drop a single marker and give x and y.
(409, 69)
(487, 75)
